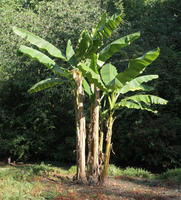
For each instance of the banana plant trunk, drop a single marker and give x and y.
(93, 139)
(80, 127)
(108, 148)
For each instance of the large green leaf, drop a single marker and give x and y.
(92, 76)
(147, 99)
(115, 46)
(39, 42)
(44, 59)
(108, 73)
(137, 66)
(136, 84)
(45, 84)
(142, 102)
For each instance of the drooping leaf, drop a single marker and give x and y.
(142, 102)
(39, 42)
(108, 73)
(45, 84)
(147, 99)
(132, 105)
(44, 59)
(136, 84)
(115, 46)
(137, 66)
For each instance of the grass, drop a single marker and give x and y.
(42, 181)
(171, 174)
(129, 171)
(15, 185)
(22, 182)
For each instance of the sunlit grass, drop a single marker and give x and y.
(13, 189)
(22, 182)
(116, 171)
(129, 171)
(33, 181)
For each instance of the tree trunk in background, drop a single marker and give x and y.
(93, 139)
(80, 126)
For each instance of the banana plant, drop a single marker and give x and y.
(116, 85)
(87, 46)
(72, 77)
(89, 72)
(93, 60)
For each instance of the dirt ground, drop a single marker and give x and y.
(123, 188)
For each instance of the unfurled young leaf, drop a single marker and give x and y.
(70, 54)
(86, 87)
(69, 50)
(105, 27)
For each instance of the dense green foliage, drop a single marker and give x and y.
(41, 126)
(145, 140)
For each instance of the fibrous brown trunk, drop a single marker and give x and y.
(93, 139)
(80, 126)
(108, 148)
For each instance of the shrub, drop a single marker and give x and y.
(171, 175)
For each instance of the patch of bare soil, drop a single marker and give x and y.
(122, 188)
